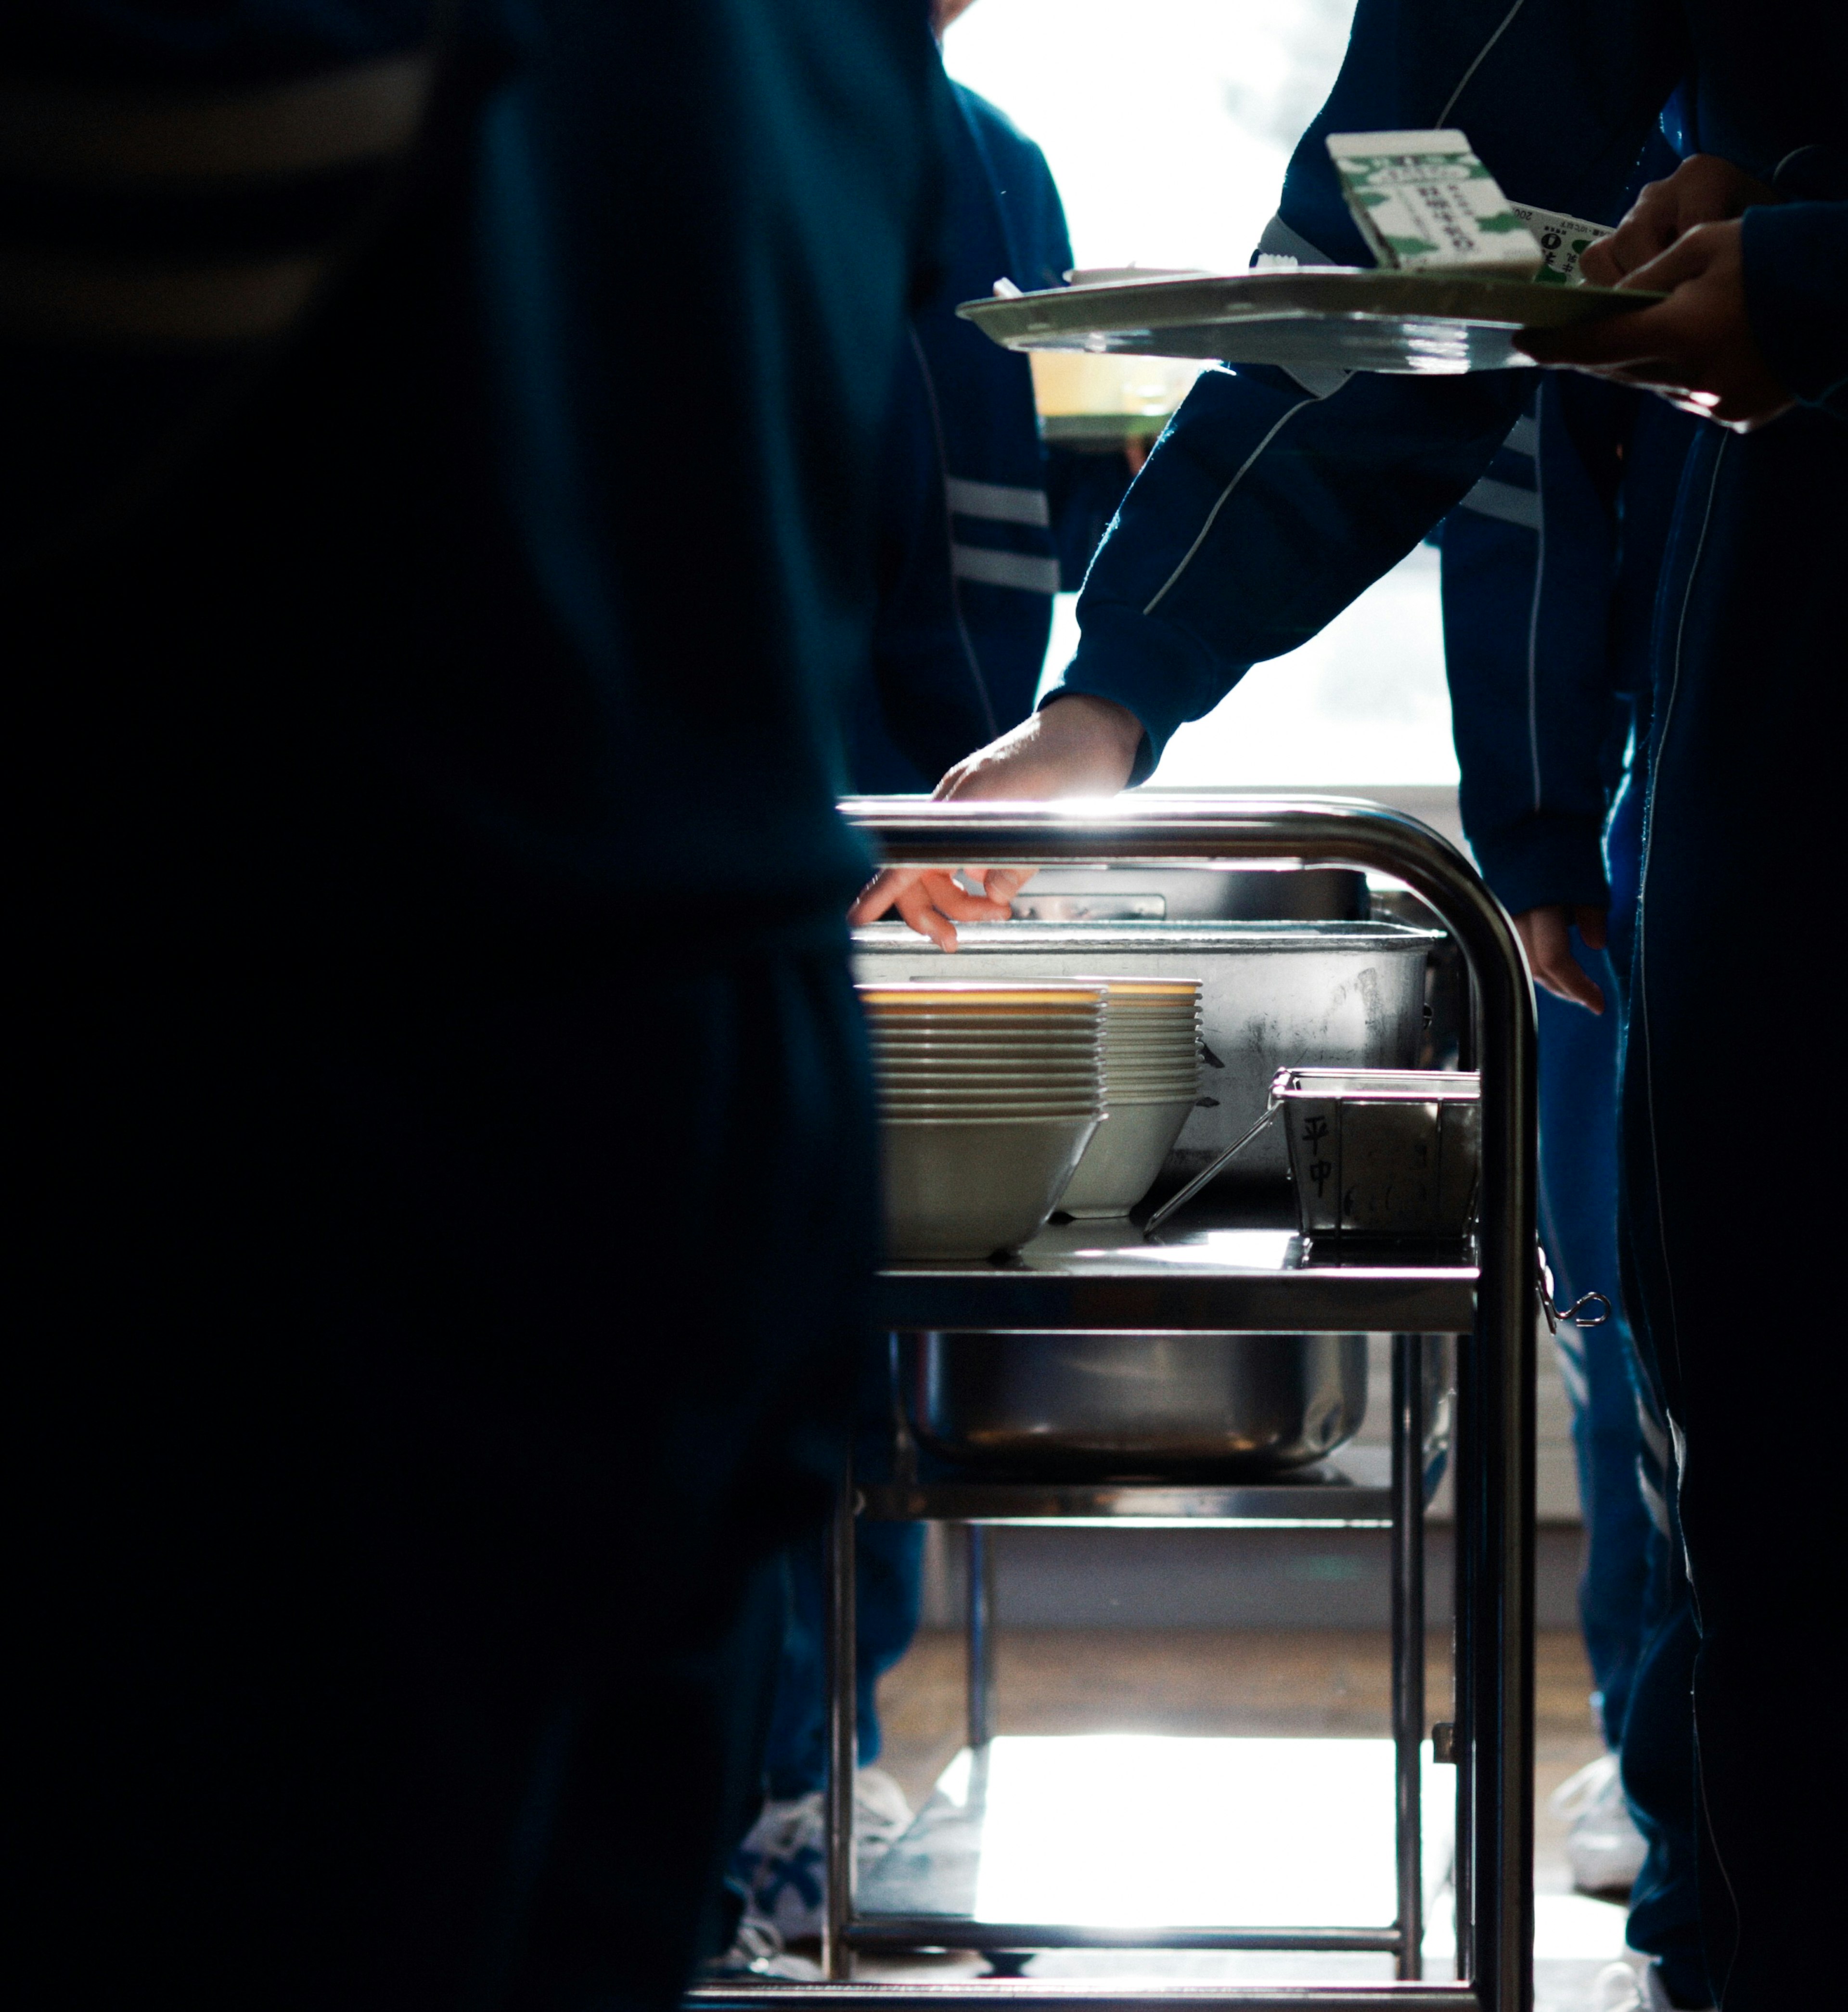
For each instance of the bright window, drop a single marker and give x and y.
(1168, 124)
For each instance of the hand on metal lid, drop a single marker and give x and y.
(1078, 746)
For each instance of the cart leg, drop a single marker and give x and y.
(837, 1899)
(981, 1638)
(1495, 1652)
(1502, 1757)
(1466, 1468)
(1408, 1642)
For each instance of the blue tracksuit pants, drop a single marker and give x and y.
(887, 1589)
(1577, 1093)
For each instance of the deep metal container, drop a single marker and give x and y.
(1093, 1407)
(1386, 1155)
(1274, 995)
(1192, 893)
(1088, 1406)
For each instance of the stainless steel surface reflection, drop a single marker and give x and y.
(1275, 995)
(1097, 1404)
(1192, 893)
(1383, 1154)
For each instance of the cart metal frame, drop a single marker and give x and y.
(1489, 1307)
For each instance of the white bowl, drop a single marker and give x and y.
(1084, 1097)
(985, 1069)
(1005, 1040)
(968, 1026)
(1125, 1155)
(1003, 1093)
(974, 994)
(973, 1187)
(1048, 1055)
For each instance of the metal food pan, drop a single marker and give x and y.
(1192, 893)
(1274, 995)
(1089, 1406)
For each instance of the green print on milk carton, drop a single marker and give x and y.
(1424, 203)
(1563, 241)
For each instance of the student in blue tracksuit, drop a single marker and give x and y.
(1550, 564)
(981, 523)
(1274, 498)
(430, 861)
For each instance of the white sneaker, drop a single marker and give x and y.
(1604, 1847)
(782, 1860)
(1619, 1988)
(757, 1951)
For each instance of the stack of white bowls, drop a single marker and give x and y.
(1151, 1078)
(988, 1094)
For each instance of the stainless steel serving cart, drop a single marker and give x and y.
(1221, 1278)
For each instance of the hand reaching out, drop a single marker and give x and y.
(1076, 747)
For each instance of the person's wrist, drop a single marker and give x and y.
(1111, 731)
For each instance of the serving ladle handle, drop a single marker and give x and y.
(1200, 1180)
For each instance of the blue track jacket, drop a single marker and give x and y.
(1271, 501)
(981, 523)
(543, 645)
(1550, 567)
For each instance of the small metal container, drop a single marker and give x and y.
(1393, 1154)
(1089, 1406)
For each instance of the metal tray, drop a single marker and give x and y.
(1319, 317)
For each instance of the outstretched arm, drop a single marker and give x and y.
(1081, 747)
(1272, 501)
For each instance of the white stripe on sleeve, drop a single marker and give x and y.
(991, 568)
(997, 503)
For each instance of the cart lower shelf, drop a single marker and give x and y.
(1351, 1490)
(1150, 1841)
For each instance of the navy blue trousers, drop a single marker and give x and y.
(1728, 1121)
(1655, 1735)
(427, 1380)
(1578, 1180)
(888, 1559)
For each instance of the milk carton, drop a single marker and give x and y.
(1425, 203)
